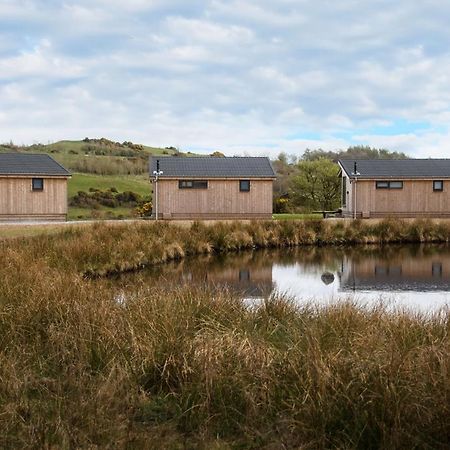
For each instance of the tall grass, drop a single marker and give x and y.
(197, 368)
(106, 249)
(85, 365)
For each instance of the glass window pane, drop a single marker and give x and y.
(438, 185)
(244, 185)
(193, 184)
(396, 184)
(38, 184)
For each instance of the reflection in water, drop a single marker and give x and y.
(414, 275)
(248, 274)
(420, 269)
(327, 277)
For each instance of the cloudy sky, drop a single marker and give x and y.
(243, 76)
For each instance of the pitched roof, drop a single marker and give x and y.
(213, 167)
(397, 168)
(30, 164)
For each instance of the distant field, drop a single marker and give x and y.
(84, 181)
(76, 213)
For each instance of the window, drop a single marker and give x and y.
(244, 185)
(37, 184)
(192, 184)
(438, 185)
(389, 184)
(395, 184)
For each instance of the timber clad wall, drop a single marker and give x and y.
(416, 199)
(222, 199)
(19, 201)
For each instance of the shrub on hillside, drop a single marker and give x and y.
(109, 198)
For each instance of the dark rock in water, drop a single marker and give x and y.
(327, 277)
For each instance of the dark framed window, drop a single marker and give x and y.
(193, 184)
(438, 185)
(37, 184)
(389, 184)
(382, 184)
(395, 184)
(244, 185)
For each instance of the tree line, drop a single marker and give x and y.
(311, 182)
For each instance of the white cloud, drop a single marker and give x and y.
(216, 74)
(40, 61)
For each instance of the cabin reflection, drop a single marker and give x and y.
(419, 268)
(247, 275)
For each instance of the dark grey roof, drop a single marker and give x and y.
(398, 168)
(30, 164)
(213, 167)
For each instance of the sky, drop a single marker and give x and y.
(247, 77)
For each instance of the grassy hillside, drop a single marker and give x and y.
(97, 156)
(85, 181)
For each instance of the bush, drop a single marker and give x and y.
(109, 198)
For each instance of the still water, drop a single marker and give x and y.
(416, 277)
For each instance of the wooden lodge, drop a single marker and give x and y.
(32, 187)
(395, 188)
(212, 187)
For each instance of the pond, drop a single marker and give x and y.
(412, 276)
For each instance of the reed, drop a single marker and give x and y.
(194, 367)
(104, 249)
(84, 364)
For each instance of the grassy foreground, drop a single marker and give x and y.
(87, 364)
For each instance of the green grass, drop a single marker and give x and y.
(296, 216)
(135, 183)
(14, 231)
(76, 213)
(83, 182)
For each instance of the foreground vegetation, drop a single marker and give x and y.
(96, 363)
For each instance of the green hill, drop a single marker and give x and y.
(97, 156)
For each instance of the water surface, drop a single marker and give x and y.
(413, 276)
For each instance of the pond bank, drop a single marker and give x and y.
(103, 249)
(110, 249)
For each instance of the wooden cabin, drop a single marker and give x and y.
(212, 187)
(32, 187)
(395, 188)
